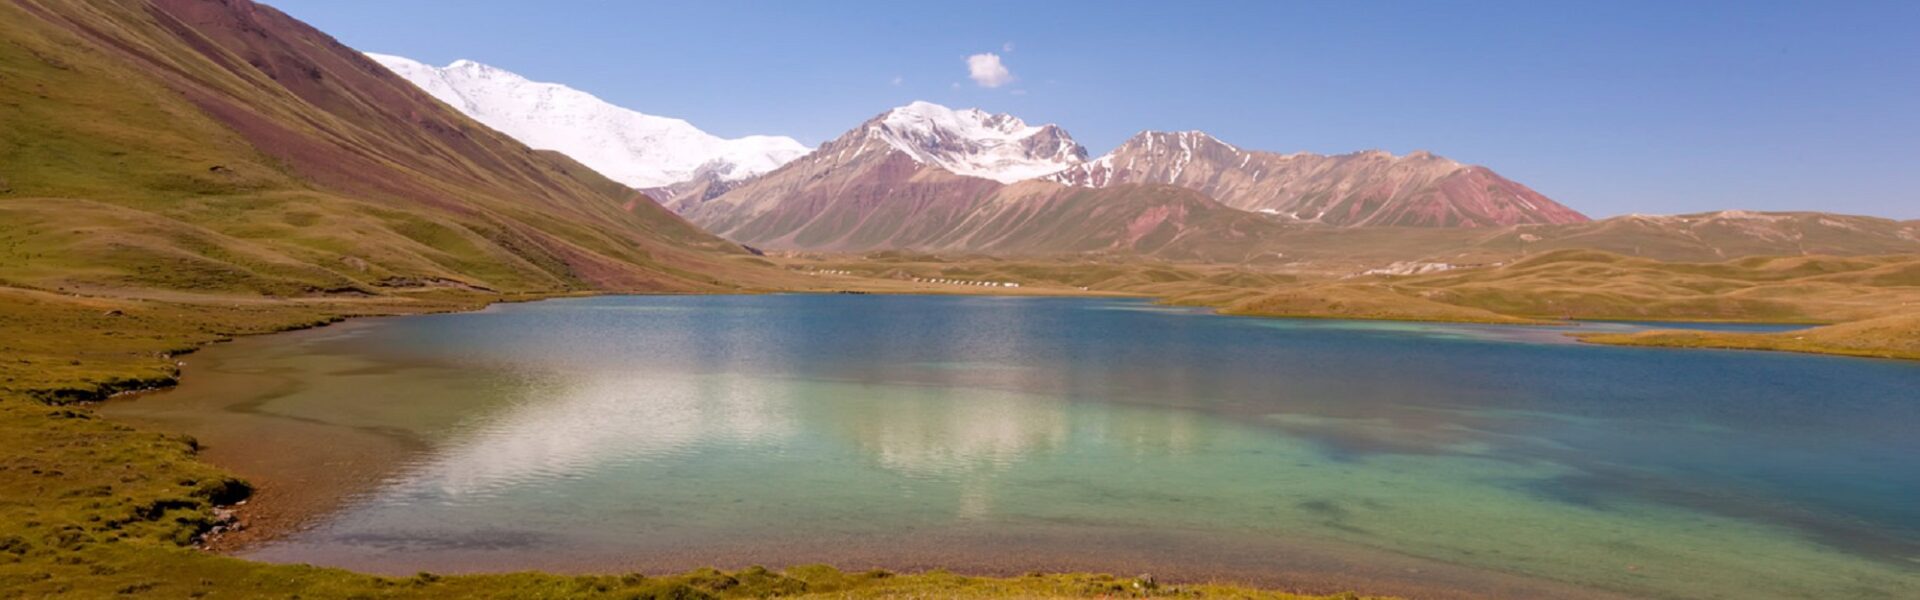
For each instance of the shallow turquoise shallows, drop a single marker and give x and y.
(1002, 435)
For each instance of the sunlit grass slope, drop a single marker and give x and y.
(206, 147)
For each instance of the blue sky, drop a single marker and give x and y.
(1609, 107)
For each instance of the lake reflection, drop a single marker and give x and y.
(1007, 434)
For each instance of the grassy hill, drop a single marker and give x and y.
(226, 148)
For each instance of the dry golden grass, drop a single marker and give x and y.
(1896, 336)
(1874, 291)
(1357, 301)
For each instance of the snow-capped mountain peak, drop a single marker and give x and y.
(634, 148)
(976, 143)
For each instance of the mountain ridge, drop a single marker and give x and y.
(1365, 188)
(860, 193)
(885, 184)
(975, 143)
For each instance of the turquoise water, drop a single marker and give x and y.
(1013, 434)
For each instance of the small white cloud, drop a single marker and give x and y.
(897, 80)
(956, 85)
(985, 69)
(1017, 92)
(1007, 47)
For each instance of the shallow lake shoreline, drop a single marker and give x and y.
(471, 304)
(267, 520)
(997, 570)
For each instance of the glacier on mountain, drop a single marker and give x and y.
(976, 143)
(633, 148)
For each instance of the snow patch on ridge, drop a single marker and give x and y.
(975, 143)
(633, 148)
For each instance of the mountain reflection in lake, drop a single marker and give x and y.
(1015, 434)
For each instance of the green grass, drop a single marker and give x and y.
(133, 159)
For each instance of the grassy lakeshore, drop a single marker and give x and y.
(1886, 337)
(92, 508)
(1869, 305)
(95, 508)
(181, 173)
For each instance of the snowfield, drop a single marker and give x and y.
(634, 148)
(975, 143)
